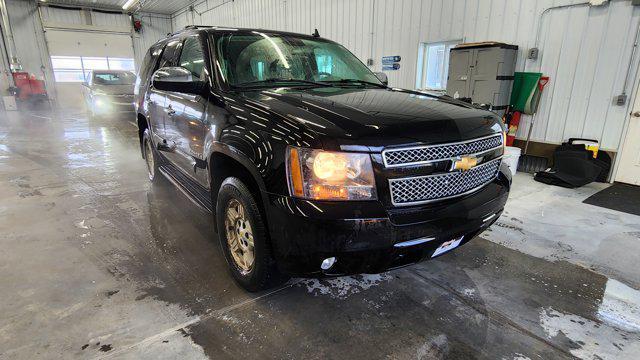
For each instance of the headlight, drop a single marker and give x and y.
(325, 175)
(504, 142)
(101, 102)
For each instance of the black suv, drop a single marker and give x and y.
(309, 162)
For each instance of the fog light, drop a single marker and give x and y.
(327, 263)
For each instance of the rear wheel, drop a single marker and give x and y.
(243, 237)
(150, 156)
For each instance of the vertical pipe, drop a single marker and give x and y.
(10, 45)
(371, 31)
(5, 66)
(47, 55)
(631, 60)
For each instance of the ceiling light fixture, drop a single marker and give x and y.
(128, 4)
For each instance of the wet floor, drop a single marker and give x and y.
(95, 262)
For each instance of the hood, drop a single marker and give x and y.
(377, 117)
(115, 89)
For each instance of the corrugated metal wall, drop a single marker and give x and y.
(584, 50)
(30, 41)
(63, 16)
(30, 44)
(154, 28)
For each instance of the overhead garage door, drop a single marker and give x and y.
(89, 43)
(74, 53)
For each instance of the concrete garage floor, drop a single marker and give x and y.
(95, 262)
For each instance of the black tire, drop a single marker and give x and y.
(150, 156)
(264, 273)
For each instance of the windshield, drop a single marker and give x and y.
(112, 78)
(258, 59)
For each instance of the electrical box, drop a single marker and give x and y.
(620, 100)
(482, 72)
(9, 103)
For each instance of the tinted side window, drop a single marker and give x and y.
(170, 54)
(192, 57)
(150, 61)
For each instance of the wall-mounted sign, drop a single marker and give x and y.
(391, 59)
(390, 67)
(390, 63)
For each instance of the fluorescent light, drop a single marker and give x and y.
(128, 4)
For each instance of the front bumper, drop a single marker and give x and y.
(104, 105)
(366, 237)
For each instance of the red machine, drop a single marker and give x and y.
(28, 87)
(513, 127)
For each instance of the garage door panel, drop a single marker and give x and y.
(82, 43)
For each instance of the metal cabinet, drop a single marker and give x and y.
(482, 72)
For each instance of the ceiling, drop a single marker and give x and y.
(155, 6)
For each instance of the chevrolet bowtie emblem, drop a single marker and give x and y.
(464, 163)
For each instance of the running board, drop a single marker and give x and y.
(193, 191)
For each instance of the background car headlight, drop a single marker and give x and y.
(325, 175)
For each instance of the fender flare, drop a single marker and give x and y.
(235, 154)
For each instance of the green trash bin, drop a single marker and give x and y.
(525, 94)
(525, 97)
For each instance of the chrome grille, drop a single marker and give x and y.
(426, 154)
(423, 189)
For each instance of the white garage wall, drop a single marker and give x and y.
(585, 51)
(154, 28)
(30, 41)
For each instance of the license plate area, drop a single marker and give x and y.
(447, 246)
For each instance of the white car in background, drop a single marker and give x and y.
(108, 92)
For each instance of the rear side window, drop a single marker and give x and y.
(192, 57)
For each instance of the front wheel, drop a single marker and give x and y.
(150, 155)
(243, 237)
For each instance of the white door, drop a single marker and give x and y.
(629, 167)
(83, 51)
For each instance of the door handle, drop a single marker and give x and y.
(170, 111)
(635, 114)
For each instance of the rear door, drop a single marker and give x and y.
(185, 121)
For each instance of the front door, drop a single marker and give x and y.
(629, 166)
(186, 115)
(157, 99)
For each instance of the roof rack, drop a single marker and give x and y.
(189, 27)
(196, 26)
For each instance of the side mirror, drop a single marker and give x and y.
(382, 77)
(177, 79)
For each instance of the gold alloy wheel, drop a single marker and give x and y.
(239, 236)
(149, 159)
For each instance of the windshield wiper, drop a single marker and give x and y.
(356, 81)
(277, 80)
